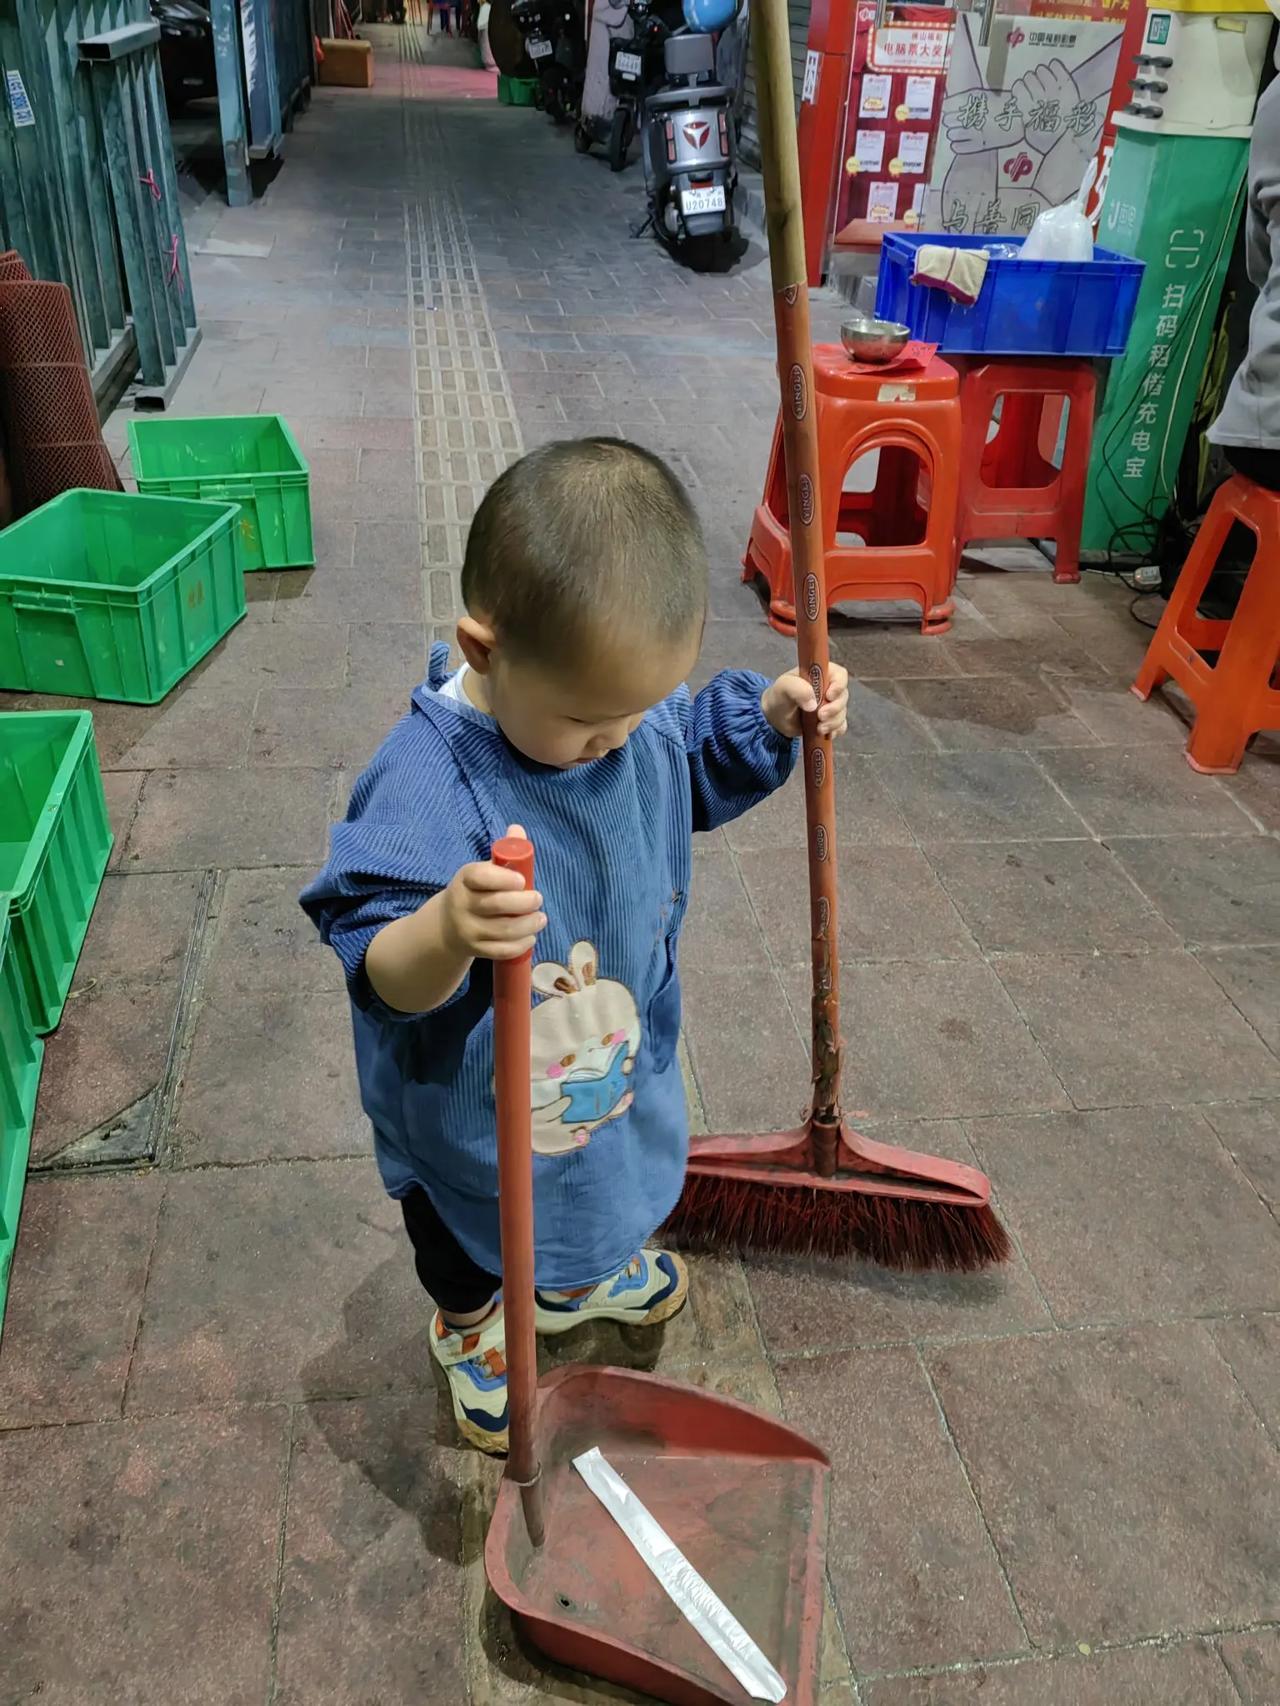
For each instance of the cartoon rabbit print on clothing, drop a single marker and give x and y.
(585, 1037)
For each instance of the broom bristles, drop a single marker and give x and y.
(719, 1213)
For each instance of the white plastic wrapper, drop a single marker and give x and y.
(707, 1613)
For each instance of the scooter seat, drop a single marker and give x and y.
(666, 99)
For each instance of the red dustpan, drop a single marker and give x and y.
(741, 1496)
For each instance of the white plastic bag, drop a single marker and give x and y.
(1063, 233)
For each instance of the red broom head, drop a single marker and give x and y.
(716, 1212)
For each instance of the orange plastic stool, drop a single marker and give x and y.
(907, 521)
(1009, 486)
(1237, 696)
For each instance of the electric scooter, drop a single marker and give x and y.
(635, 71)
(555, 40)
(688, 147)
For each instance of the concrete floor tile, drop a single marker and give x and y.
(338, 726)
(1046, 897)
(865, 813)
(1138, 1029)
(141, 1558)
(349, 596)
(1219, 890)
(1256, 789)
(1253, 1659)
(1118, 718)
(892, 906)
(141, 928)
(388, 652)
(1046, 650)
(293, 1280)
(122, 788)
(977, 796)
(1250, 1347)
(258, 654)
(915, 1579)
(1146, 791)
(742, 642)
(351, 432)
(1251, 977)
(191, 819)
(880, 721)
(804, 1305)
(1187, 1673)
(334, 531)
(896, 653)
(373, 1572)
(720, 929)
(1109, 1468)
(270, 1076)
(110, 1050)
(1153, 1182)
(1251, 1131)
(929, 1042)
(751, 1068)
(196, 725)
(262, 940)
(75, 1294)
(995, 712)
(380, 466)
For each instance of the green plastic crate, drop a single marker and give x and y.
(54, 844)
(252, 460)
(106, 595)
(21, 1053)
(517, 91)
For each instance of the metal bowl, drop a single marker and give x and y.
(867, 339)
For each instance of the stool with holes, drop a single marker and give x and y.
(1239, 694)
(907, 522)
(1009, 485)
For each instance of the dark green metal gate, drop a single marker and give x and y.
(88, 192)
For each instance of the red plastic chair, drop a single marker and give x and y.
(1009, 486)
(912, 419)
(1237, 695)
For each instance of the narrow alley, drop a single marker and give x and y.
(227, 1472)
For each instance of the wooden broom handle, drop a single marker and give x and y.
(512, 1046)
(780, 162)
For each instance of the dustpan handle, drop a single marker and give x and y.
(780, 161)
(512, 1051)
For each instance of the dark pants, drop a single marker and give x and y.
(457, 1284)
(1260, 466)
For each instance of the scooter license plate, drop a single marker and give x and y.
(539, 49)
(628, 64)
(703, 201)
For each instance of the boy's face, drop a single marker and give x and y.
(575, 715)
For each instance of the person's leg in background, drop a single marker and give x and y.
(1226, 583)
(1260, 466)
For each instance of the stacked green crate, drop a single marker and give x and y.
(251, 460)
(21, 1053)
(54, 844)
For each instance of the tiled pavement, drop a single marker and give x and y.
(225, 1472)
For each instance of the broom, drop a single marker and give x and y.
(823, 1189)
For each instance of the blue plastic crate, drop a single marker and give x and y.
(1025, 307)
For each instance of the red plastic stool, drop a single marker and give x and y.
(907, 521)
(1237, 696)
(1009, 486)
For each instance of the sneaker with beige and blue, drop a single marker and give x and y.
(652, 1287)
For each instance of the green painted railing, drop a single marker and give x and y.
(88, 192)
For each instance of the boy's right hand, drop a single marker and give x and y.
(488, 912)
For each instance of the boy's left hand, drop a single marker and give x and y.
(791, 694)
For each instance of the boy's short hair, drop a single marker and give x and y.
(582, 536)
